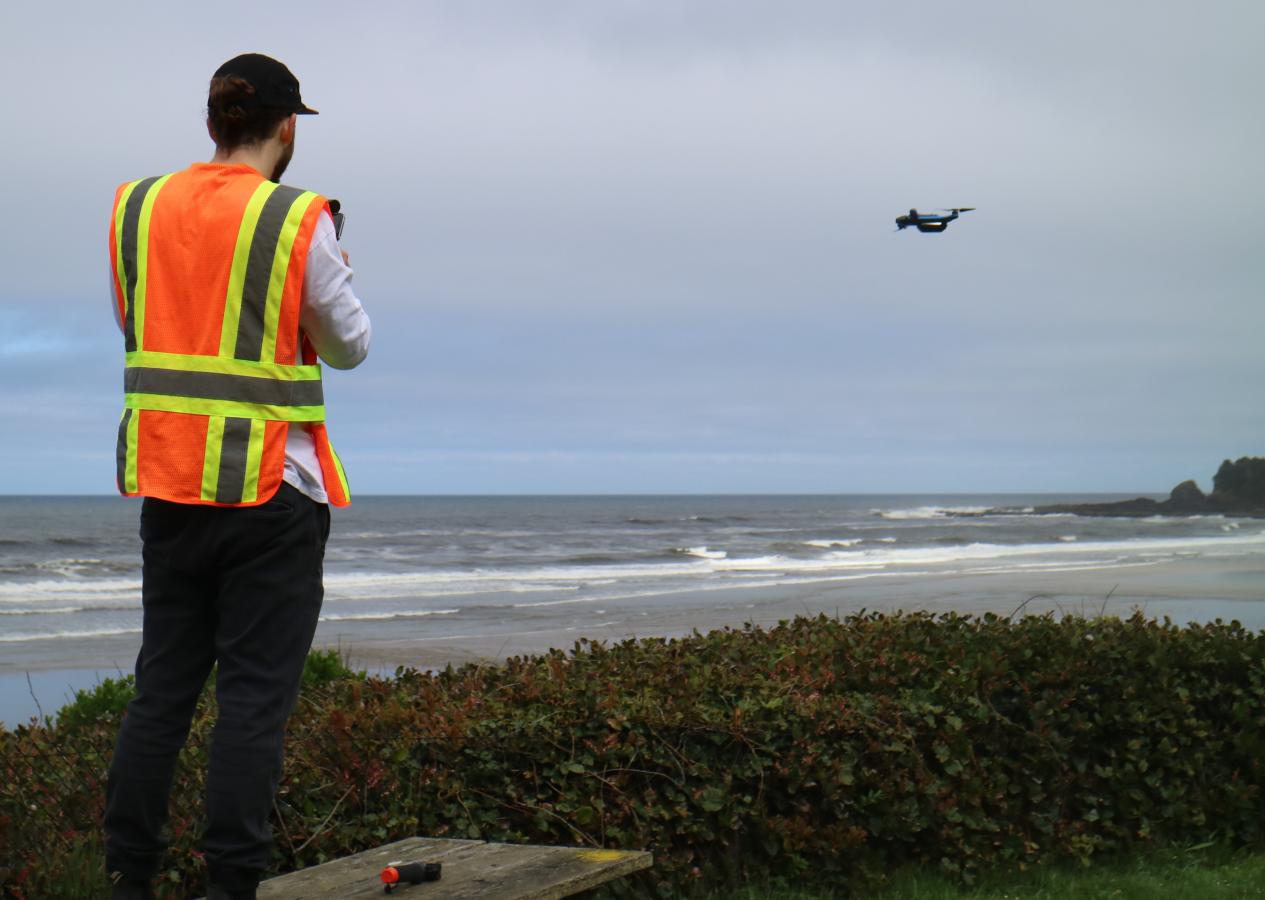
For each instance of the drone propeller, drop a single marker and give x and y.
(958, 209)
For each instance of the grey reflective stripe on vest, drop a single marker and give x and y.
(218, 386)
(120, 450)
(131, 227)
(263, 248)
(233, 453)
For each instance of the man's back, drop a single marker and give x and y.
(227, 288)
(194, 219)
(209, 275)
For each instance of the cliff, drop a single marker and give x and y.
(1238, 489)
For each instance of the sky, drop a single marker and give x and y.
(641, 246)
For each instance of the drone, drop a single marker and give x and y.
(925, 222)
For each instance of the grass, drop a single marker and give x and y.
(1205, 874)
(1167, 875)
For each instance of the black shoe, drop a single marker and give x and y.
(125, 888)
(216, 892)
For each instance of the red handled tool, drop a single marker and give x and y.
(398, 873)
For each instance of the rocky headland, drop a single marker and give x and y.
(1238, 489)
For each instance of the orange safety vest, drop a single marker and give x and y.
(208, 274)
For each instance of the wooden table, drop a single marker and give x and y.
(470, 869)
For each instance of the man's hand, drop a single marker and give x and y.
(346, 258)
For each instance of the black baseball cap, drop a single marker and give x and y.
(275, 86)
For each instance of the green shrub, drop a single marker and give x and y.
(823, 751)
(323, 666)
(108, 699)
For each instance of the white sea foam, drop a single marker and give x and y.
(922, 512)
(701, 552)
(364, 595)
(931, 512)
(22, 591)
(566, 602)
(594, 580)
(1042, 568)
(69, 568)
(823, 576)
(1249, 543)
(698, 572)
(762, 563)
(433, 532)
(373, 617)
(450, 583)
(387, 535)
(56, 635)
(1049, 566)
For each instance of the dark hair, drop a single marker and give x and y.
(234, 116)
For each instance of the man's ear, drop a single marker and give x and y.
(286, 133)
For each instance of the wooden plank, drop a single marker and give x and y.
(470, 869)
(509, 872)
(345, 877)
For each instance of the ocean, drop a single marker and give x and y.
(432, 578)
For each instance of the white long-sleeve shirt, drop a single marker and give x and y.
(331, 317)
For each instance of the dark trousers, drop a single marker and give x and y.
(239, 588)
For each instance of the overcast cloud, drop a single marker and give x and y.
(648, 246)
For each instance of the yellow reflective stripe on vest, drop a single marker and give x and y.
(131, 223)
(211, 458)
(254, 459)
(280, 269)
(200, 406)
(342, 475)
(121, 262)
(261, 262)
(237, 274)
(142, 258)
(126, 451)
(246, 368)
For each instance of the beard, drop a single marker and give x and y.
(279, 169)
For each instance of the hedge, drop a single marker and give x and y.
(828, 751)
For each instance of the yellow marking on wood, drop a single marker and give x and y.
(601, 855)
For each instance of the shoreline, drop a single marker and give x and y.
(1196, 589)
(1193, 587)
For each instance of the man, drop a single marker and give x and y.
(227, 286)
